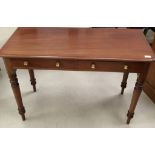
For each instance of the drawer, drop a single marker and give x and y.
(109, 66)
(37, 63)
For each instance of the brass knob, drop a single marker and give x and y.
(26, 63)
(93, 66)
(125, 67)
(57, 64)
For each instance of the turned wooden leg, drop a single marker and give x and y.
(17, 94)
(136, 94)
(124, 81)
(32, 79)
(15, 87)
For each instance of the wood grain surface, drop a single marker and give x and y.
(79, 43)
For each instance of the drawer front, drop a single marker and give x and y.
(54, 64)
(77, 65)
(111, 66)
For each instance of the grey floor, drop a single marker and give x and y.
(71, 99)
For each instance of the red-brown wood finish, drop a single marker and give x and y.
(32, 79)
(124, 82)
(16, 89)
(149, 85)
(78, 49)
(78, 43)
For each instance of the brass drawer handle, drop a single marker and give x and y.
(125, 67)
(93, 66)
(57, 64)
(26, 63)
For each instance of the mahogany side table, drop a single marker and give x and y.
(78, 49)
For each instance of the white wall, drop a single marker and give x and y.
(5, 33)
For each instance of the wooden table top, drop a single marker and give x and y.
(79, 43)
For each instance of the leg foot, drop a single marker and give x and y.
(124, 82)
(129, 117)
(22, 112)
(122, 91)
(23, 117)
(32, 79)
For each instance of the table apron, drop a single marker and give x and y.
(75, 65)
